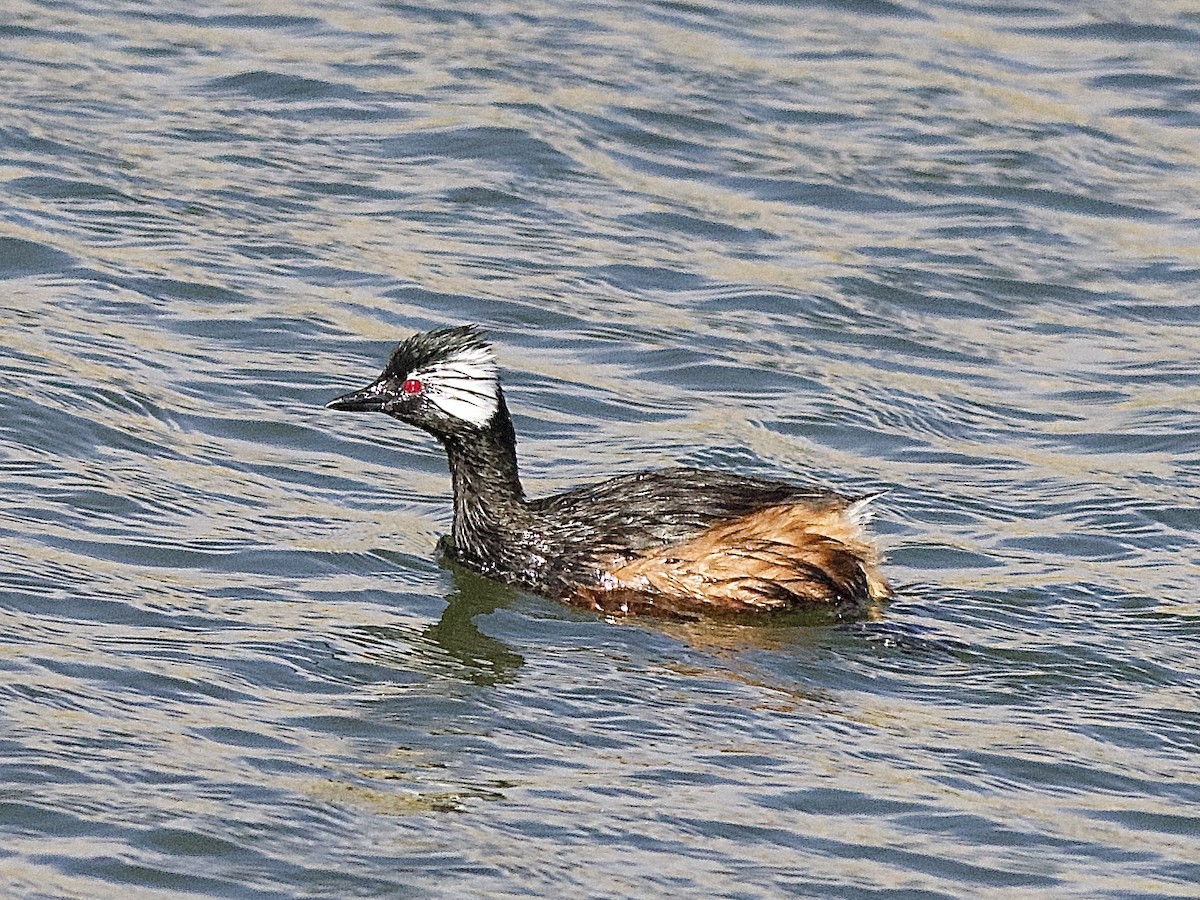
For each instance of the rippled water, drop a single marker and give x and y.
(947, 249)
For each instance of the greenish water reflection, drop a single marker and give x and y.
(487, 661)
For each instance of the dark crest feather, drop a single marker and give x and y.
(422, 350)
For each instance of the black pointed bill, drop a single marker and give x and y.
(369, 399)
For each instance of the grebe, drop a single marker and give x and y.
(678, 543)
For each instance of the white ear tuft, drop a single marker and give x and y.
(464, 385)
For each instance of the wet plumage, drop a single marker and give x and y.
(676, 542)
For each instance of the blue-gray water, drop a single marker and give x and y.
(950, 249)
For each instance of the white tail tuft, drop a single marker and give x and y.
(860, 511)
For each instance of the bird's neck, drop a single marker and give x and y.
(488, 497)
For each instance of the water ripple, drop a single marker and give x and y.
(945, 250)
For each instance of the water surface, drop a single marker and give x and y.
(946, 249)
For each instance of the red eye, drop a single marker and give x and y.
(412, 386)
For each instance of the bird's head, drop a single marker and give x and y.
(443, 381)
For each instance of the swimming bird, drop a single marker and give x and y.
(679, 542)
